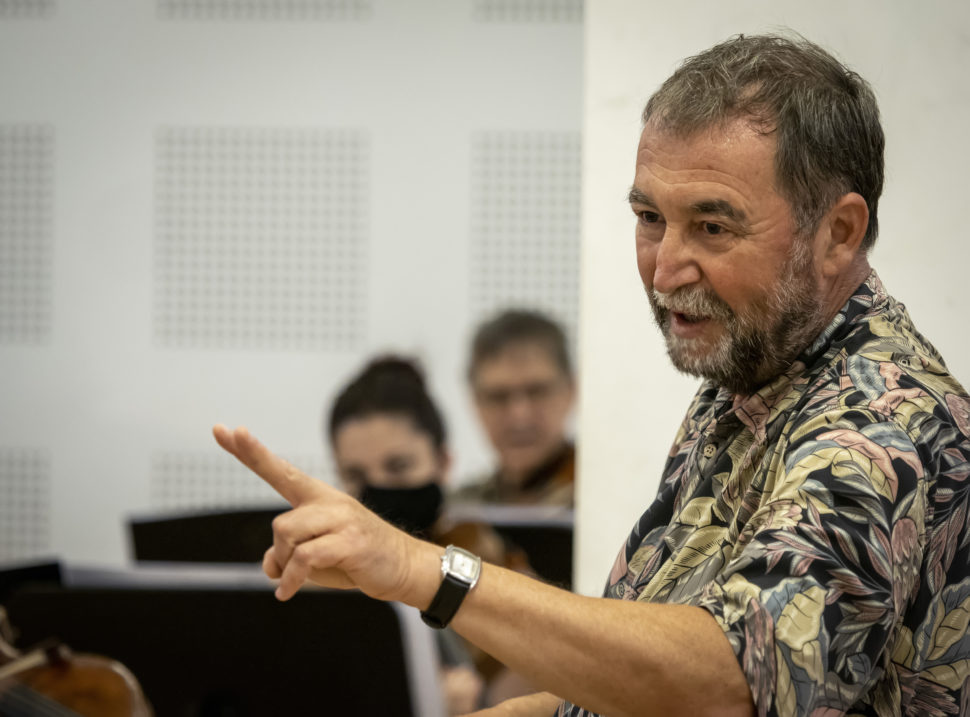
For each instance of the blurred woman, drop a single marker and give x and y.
(388, 440)
(389, 443)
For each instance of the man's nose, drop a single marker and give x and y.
(519, 407)
(674, 264)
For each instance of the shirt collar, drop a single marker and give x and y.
(870, 296)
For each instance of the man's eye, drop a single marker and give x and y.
(648, 217)
(713, 229)
(495, 397)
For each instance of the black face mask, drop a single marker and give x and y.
(412, 509)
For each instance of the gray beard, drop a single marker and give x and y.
(753, 347)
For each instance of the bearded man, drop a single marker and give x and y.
(808, 552)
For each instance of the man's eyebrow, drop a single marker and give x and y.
(638, 197)
(711, 207)
(721, 208)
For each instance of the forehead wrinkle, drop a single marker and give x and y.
(715, 204)
(659, 153)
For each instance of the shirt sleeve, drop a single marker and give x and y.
(824, 566)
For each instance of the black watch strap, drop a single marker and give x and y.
(446, 602)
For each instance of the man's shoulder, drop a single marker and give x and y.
(885, 372)
(890, 355)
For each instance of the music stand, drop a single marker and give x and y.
(214, 642)
(214, 536)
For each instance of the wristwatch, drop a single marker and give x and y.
(459, 574)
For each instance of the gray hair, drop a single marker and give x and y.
(829, 140)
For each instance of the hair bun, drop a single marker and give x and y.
(389, 384)
(394, 367)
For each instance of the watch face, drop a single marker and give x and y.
(464, 566)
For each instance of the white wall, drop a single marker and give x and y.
(914, 54)
(97, 408)
(97, 400)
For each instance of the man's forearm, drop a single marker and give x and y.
(610, 656)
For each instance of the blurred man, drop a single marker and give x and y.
(522, 382)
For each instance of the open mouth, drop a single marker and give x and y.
(689, 318)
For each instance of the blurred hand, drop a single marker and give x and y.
(329, 538)
(463, 688)
(536, 705)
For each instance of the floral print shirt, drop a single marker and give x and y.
(823, 523)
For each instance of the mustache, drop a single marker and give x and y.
(691, 301)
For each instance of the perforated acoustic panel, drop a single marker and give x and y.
(26, 228)
(194, 480)
(25, 497)
(525, 222)
(26, 9)
(261, 238)
(262, 10)
(528, 10)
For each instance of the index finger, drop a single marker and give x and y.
(291, 483)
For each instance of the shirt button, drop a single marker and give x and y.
(709, 450)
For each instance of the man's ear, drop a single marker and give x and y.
(842, 232)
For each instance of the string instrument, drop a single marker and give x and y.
(51, 680)
(483, 540)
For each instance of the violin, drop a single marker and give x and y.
(51, 680)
